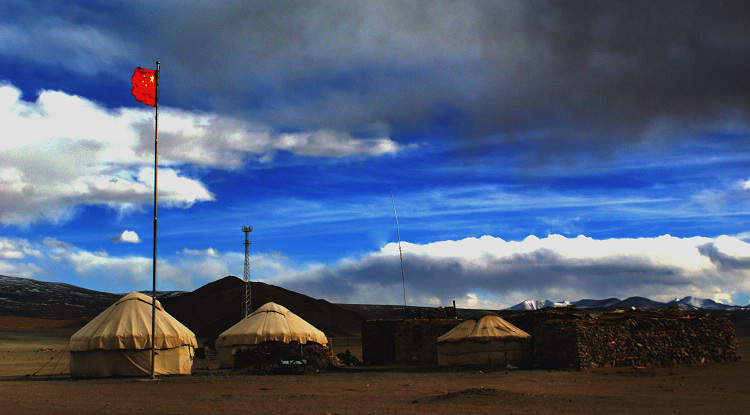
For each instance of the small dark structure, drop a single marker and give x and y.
(403, 341)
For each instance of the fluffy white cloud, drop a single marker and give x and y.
(20, 270)
(11, 248)
(20, 258)
(328, 143)
(225, 142)
(63, 151)
(128, 269)
(127, 237)
(55, 260)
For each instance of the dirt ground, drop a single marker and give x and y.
(34, 378)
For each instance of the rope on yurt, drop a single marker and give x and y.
(59, 356)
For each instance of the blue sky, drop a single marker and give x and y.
(535, 150)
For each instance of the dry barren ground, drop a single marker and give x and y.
(698, 389)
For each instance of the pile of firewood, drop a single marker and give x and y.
(266, 358)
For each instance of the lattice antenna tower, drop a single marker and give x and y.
(248, 298)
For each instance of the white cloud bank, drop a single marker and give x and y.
(482, 272)
(63, 151)
(210, 252)
(491, 272)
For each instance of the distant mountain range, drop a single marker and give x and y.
(22, 297)
(207, 311)
(687, 303)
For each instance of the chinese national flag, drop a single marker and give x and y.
(144, 86)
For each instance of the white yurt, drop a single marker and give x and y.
(484, 340)
(117, 342)
(271, 322)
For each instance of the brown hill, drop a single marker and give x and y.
(24, 297)
(216, 306)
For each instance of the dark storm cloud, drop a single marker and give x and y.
(723, 261)
(627, 63)
(566, 72)
(541, 270)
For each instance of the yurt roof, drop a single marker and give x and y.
(487, 328)
(126, 324)
(271, 322)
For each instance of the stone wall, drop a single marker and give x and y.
(580, 339)
(570, 338)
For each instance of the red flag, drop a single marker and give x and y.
(144, 86)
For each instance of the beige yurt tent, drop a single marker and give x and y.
(271, 322)
(117, 342)
(484, 339)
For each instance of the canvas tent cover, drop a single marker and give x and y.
(488, 340)
(486, 328)
(117, 342)
(271, 322)
(126, 324)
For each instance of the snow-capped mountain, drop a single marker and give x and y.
(536, 305)
(701, 303)
(687, 303)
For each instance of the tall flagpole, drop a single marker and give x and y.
(156, 181)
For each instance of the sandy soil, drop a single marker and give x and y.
(713, 388)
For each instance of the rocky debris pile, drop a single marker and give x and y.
(579, 339)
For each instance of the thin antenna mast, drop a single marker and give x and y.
(248, 299)
(400, 257)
